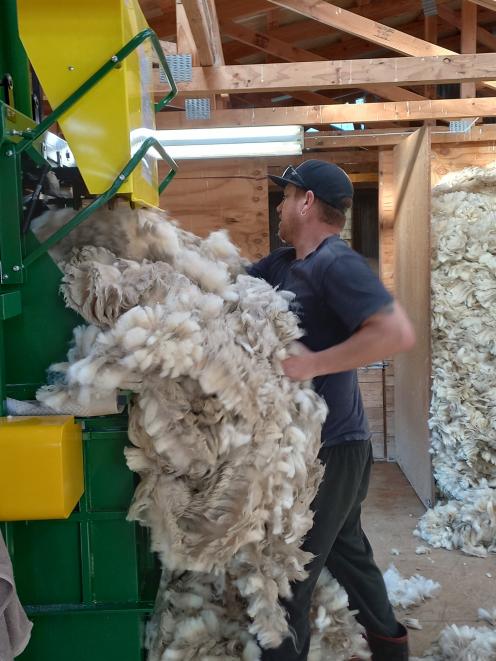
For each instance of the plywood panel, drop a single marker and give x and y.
(412, 191)
(231, 194)
(447, 158)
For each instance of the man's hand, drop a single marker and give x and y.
(300, 367)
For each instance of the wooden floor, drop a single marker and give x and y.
(390, 516)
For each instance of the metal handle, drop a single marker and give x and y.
(105, 197)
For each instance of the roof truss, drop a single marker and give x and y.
(337, 74)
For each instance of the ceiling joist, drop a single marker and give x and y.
(291, 53)
(326, 140)
(336, 74)
(367, 113)
(367, 29)
(363, 27)
(454, 18)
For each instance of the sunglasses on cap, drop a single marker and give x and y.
(291, 173)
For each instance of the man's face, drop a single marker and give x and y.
(289, 213)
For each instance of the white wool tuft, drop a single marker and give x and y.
(412, 623)
(488, 616)
(406, 592)
(463, 643)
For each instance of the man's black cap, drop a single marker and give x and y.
(327, 181)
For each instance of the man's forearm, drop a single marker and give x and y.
(367, 345)
(383, 335)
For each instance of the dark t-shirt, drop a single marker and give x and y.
(335, 292)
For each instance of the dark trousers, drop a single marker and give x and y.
(339, 543)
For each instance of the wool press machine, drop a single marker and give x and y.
(83, 573)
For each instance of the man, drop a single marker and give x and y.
(350, 320)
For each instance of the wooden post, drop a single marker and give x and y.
(468, 41)
(430, 34)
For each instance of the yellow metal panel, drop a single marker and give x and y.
(41, 467)
(67, 41)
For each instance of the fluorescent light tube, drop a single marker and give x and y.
(181, 152)
(225, 142)
(236, 135)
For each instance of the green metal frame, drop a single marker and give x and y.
(13, 58)
(22, 135)
(88, 582)
(93, 566)
(105, 197)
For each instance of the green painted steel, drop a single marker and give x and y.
(88, 582)
(41, 335)
(96, 636)
(102, 199)
(13, 58)
(10, 304)
(11, 208)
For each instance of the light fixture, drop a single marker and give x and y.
(225, 142)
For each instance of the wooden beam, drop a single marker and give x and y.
(366, 113)
(488, 4)
(343, 46)
(168, 47)
(360, 26)
(384, 11)
(365, 28)
(285, 51)
(202, 19)
(468, 42)
(311, 98)
(184, 36)
(335, 75)
(454, 18)
(344, 157)
(332, 140)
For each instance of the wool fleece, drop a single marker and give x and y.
(463, 406)
(225, 444)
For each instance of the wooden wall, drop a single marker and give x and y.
(230, 194)
(450, 158)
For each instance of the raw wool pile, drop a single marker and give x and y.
(463, 407)
(198, 616)
(463, 643)
(408, 592)
(226, 445)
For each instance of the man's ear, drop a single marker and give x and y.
(309, 198)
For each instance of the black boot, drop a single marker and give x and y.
(389, 649)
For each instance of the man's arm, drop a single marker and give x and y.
(383, 334)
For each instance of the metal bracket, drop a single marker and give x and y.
(197, 108)
(180, 66)
(429, 7)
